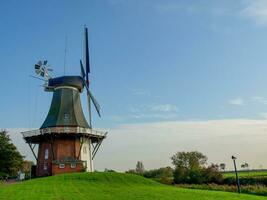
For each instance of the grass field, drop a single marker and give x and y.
(100, 186)
(246, 174)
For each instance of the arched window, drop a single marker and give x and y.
(46, 154)
(84, 150)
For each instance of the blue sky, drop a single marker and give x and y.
(151, 61)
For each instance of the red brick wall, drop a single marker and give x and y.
(63, 148)
(67, 169)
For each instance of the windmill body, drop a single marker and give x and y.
(65, 141)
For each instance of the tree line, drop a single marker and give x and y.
(189, 167)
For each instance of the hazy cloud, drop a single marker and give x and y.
(261, 100)
(154, 116)
(154, 111)
(237, 102)
(164, 108)
(154, 143)
(256, 10)
(263, 115)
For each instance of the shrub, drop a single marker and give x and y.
(212, 174)
(190, 168)
(164, 172)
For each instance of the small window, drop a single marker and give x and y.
(84, 150)
(61, 165)
(46, 154)
(66, 118)
(45, 166)
(73, 165)
(66, 115)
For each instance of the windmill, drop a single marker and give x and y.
(65, 140)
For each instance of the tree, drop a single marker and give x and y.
(193, 160)
(212, 174)
(140, 168)
(10, 158)
(190, 168)
(245, 166)
(222, 166)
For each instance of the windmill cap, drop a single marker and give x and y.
(72, 81)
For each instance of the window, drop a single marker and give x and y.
(66, 115)
(45, 166)
(84, 150)
(46, 154)
(73, 165)
(61, 165)
(66, 118)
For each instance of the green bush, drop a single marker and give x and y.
(211, 174)
(246, 181)
(164, 172)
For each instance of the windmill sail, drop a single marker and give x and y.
(87, 61)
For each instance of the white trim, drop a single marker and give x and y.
(87, 131)
(61, 165)
(73, 165)
(66, 87)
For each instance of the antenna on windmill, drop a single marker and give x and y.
(65, 53)
(85, 76)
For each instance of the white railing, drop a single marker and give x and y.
(81, 130)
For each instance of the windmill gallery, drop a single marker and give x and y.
(65, 141)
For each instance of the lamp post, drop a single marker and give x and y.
(236, 175)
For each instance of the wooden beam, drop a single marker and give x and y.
(81, 144)
(51, 145)
(96, 148)
(32, 149)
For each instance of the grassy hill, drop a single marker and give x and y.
(103, 186)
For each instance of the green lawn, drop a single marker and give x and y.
(98, 186)
(246, 174)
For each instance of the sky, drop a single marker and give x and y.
(170, 75)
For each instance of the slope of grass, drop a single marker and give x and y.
(104, 186)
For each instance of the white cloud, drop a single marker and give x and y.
(263, 115)
(237, 102)
(154, 116)
(261, 100)
(17, 139)
(154, 143)
(154, 111)
(218, 8)
(164, 108)
(256, 10)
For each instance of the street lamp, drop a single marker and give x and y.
(236, 176)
